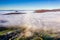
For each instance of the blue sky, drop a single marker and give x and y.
(29, 4)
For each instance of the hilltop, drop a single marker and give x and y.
(44, 10)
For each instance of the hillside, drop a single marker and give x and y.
(43, 10)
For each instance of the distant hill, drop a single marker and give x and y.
(12, 13)
(42, 11)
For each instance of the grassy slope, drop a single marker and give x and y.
(36, 36)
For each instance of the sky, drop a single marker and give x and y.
(29, 4)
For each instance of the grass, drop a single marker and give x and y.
(36, 36)
(39, 36)
(4, 32)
